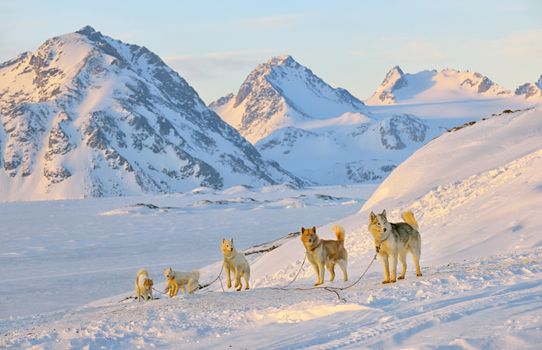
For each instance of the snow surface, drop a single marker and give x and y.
(476, 193)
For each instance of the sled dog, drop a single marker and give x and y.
(236, 262)
(187, 282)
(143, 285)
(322, 252)
(396, 239)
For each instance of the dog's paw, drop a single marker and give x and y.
(385, 282)
(229, 284)
(317, 284)
(393, 281)
(401, 277)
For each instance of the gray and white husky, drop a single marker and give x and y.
(396, 239)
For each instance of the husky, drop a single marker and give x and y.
(236, 261)
(393, 239)
(187, 282)
(321, 252)
(143, 285)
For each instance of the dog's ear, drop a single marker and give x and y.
(384, 213)
(302, 229)
(314, 229)
(372, 217)
(223, 240)
(231, 240)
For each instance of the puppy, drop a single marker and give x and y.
(236, 262)
(143, 285)
(187, 282)
(396, 239)
(321, 252)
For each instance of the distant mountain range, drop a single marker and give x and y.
(445, 85)
(87, 115)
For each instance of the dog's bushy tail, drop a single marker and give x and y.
(142, 272)
(409, 218)
(339, 232)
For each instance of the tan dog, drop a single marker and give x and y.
(143, 285)
(396, 239)
(321, 252)
(187, 282)
(236, 262)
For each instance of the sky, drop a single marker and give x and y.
(350, 44)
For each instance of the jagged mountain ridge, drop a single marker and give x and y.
(281, 93)
(434, 86)
(530, 90)
(87, 115)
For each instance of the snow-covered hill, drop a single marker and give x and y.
(281, 93)
(434, 86)
(87, 115)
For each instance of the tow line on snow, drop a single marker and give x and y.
(328, 288)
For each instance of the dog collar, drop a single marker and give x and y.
(319, 244)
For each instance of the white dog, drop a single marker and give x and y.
(143, 285)
(233, 260)
(186, 281)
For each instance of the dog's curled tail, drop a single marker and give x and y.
(409, 218)
(339, 232)
(142, 272)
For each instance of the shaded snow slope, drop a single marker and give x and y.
(86, 115)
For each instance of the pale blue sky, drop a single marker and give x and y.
(351, 44)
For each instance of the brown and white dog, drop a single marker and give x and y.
(322, 252)
(143, 285)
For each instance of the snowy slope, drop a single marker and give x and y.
(434, 86)
(476, 193)
(280, 93)
(87, 115)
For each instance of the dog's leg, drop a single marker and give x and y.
(393, 274)
(416, 257)
(386, 268)
(238, 284)
(228, 276)
(343, 265)
(247, 277)
(331, 268)
(402, 258)
(321, 273)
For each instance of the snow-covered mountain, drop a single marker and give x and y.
(281, 93)
(434, 86)
(531, 91)
(316, 132)
(87, 115)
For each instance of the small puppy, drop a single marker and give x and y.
(143, 285)
(233, 260)
(322, 252)
(396, 239)
(187, 282)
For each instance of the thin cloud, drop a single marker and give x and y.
(213, 65)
